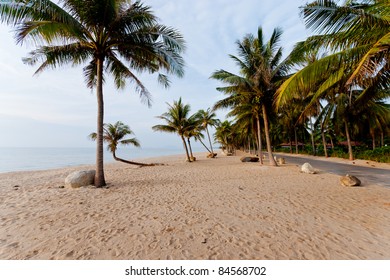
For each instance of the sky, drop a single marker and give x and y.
(56, 109)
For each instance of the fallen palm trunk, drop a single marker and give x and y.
(137, 163)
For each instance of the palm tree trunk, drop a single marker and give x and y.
(324, 143)
(259, 139)
(312, 137)
(133, 162)
(296, 140)
(373, 140)
(200, 140)
(189, 146)
(208, 135)
(267, 138)
(185, 148)
(324, 140)
(350, 153)
(382, 139)
(99, 176)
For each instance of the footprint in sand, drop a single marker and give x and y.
(153, 245)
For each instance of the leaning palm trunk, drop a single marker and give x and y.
(99, 176)
(296, 140)
(260, 153)
(350, 153)
(267, 138)
(133, 162)
(185, 148)
(208, 135)
(200, 140)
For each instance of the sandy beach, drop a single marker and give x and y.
(209, 209)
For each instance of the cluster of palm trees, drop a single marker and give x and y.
(178, 120)
(116, 37)
(341, 87)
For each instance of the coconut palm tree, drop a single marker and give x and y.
(261, 70)
(192, 129)
(356, 35)
(116, 37)
(245, 104)
(113, 135)
(176, 122)
(208, 118)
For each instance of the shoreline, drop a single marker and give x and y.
(135, 155)
(209, 209)
(110, 160)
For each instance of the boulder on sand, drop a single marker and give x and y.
(79, 179)
(307, 168)
(249, 159)
(350, 181)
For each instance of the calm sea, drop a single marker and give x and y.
(21, 159)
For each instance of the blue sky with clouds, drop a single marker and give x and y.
(56, 109)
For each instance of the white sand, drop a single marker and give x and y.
(210, 209)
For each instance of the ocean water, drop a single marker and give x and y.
(23, 159)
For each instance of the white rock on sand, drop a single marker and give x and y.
(79, 179)
(307, 168)
(208, 209)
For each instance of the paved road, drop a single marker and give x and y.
(369, 175)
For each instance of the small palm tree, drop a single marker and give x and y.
(113, 135)
(224, 135)
(192, 130)
(208, 118)
(116, 37)
(176, 122)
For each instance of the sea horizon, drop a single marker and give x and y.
(14, 159)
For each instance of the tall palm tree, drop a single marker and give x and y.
(208, 118)
(113, 135)
(113, 36)
(176, 121)
(261, 70)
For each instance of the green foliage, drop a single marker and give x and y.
(378, 155)
(113, 135)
